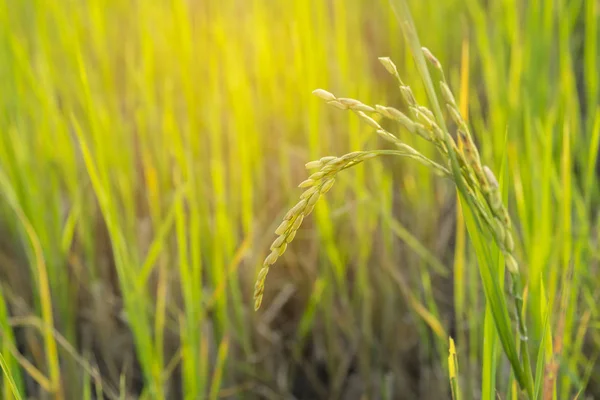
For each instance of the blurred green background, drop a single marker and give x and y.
(149, 149)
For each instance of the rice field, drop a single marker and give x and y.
(149, 151)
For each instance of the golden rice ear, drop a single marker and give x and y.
(317, 184)
(418, 120)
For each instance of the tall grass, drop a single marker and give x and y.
(148, 148)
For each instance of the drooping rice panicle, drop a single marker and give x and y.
(317, 184)
(420, 121)
(480, 184)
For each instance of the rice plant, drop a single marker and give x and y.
(146, 146)
(477, 184)
(488, 220)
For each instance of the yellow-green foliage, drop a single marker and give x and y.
(147, 150)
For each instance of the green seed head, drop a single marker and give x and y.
(312, 200)
(290, 237)
(509, 243)
(308, 210)
(283, 227)
(368, 120)
(313, 164)
(388, 65)
(337, 104)
(307, 193)
(272, 257)
(491, 178)
(306, 183)
(455, 115)
(278, 242)
(294, 211)
(511, 264)
(297, 223)
(500, 231)
(408, 96)
(327, 159)
(351, 156)
(383, 111)
(327, 185)
(281, 249)
(316, 176)
(431, 58)
(324, 94)
(447, 94)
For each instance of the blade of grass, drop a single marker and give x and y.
(453, 371)
(215, 385)
(8, 380)
(539, 369)
(43, 285)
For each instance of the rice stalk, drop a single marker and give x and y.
(476, 181)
